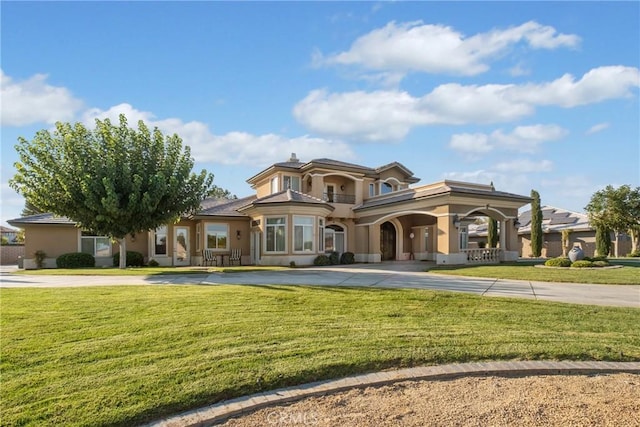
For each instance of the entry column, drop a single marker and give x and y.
(374, 243)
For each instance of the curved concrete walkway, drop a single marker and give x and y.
(391, 275)
(231, 408)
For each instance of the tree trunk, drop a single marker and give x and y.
(617, 244)
(123, 252)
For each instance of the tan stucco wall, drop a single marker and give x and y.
(54, 240)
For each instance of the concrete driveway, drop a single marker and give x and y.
(385, 275)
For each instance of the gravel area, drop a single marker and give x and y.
(566, 400)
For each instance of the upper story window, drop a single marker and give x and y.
(464, 237)
(275, 185)
(386, 188)
(98, 246)
(372, 190)
(292, 182)
(217, 236)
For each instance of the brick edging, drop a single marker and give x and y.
(226, 409)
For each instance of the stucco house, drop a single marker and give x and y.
(554, 221)
(302, 209)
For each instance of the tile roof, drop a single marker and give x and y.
(290, 196)
(43, 218)
(224, 207)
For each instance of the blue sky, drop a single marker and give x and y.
(528, 95)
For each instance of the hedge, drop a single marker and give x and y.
(134, 259)
(347, 258)
(75, 260)
(558, 262)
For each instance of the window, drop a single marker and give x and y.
(217, 236)
(320, 235)
(292, 182)
(303, 233)
(334, 238)
(160, 241)
(372, 190)
(464, 237)
(276, 229)
(98, 246)
(275, 185)
(385, 188)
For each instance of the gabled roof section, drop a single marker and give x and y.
(338, 164)
(397, 165)
(43, 218)
(224, 207)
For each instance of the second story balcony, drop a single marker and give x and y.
(349, 199)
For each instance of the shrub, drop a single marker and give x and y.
(322, 260)
(582, 264)
(292, 264)
(153, 263)
(134, 259)
(596, 258)
(634, 254)
(75, 260)
(334, 257)
(600, 264)
(347, 258)
(39, 257)
(558, 262)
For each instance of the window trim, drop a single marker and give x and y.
(166, 239)
(206, 234)
(291, 178)
(274, 184)
(266, 233)
(94, 238)
(311, 226)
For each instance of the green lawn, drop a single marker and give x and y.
(116, 356)
(142, 271)
(626, 275)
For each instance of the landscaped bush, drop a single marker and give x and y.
(558, 262)
(322, 260)
(134, 259)
(334, 257)
(582, 264)
(347, 258)
(634, 254)
(596, 258)
(39, 258)
(600, 264)
(75, 260)
(153, 263)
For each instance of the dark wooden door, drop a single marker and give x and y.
(388, 241)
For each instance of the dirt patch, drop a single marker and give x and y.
(567, 400)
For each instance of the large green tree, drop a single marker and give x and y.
(536, 224)
(617, 210)
(113, 180)
(221, 193)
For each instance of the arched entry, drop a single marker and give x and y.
(387, 241)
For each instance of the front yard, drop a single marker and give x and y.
(629, 274)
(125, 355)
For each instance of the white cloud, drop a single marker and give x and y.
(415, 46)
(525, 166)
(231, 148)
(391, 114)
(525, 139)
(517, 183)
(34, 101)
(597, 128)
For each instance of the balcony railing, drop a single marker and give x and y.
(482, 255)
(339, 198)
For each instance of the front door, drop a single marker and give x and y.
(388, 241)
(181, 254)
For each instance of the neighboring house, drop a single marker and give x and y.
(9, 233)
(300, 210)
(554, 220)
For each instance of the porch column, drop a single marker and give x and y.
(503, 234)
(511, 250)
(374, 243)
(448, 242)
